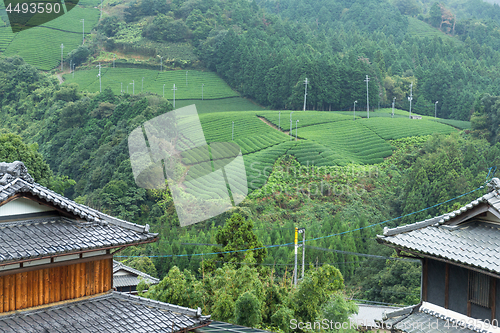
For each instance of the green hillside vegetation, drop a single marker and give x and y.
(115, 78)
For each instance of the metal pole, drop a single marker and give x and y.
(232, 135)
(393, 102)
(295, 269)
(305, 94)
(296, 129)
(355, 109)
(435, 109)
(303, 251)
(202, 90)
(367, 98)
(174, 89)
(83, 31)
(290, 125)
(411, 97)
(62, 48)
(70, 65)
(73, 71)
(99, 75)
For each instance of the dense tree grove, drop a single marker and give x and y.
(265, 49)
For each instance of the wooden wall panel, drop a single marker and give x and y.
(43, 286)
(1, 294)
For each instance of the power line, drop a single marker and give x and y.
(317, 238)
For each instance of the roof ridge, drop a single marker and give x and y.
(440, 219)
(133, 270)
(166, 306)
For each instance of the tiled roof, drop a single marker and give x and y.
(57, 235)
(110, 313)
(430, 318)
(473, 243)
(131, 279)
(14, 179)
(30, 239)
(457, 236)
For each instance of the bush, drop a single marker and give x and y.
(247, 310)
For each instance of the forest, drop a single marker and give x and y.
(75, 142)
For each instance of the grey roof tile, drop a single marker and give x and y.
(133, 277)
(112, 312)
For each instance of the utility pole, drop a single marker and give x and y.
(174, 89)
(296, 122)
(367, 98)
(295, 266)
(355, 109)
(305, 93)
(290, 126)
(232, 135)
(70, 65)
(202, 90)
(73, 71)
(435, 109)
(410, 98)
(303, 232)
(99, 76)
(142, 85)
(83, 31)
(161, 62)
(279, 120)
(62, 48)
(164, 91)
(393, 102)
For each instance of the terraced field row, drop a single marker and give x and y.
(398, 128)
(349, 139)
(130, 80)
(305, 118)
(41, 46)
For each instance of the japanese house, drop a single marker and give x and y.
(56, 266)
(126, 279)
(460, 254)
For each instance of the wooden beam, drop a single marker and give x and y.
(446, 286)
(493, 296)
(19, 291)
(46, 286)
(1, 294)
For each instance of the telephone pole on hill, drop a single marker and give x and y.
(99, 76)
(305, 93)
(410, 98)
(174, 89)
(367, 98)
(355, 109)
(295, 271)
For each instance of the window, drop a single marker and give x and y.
(479, 289)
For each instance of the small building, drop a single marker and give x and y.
(126, 279)
(56, 266)
(460, 268)
(415, 117)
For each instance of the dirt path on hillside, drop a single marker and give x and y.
(272, 125)
(59, 77)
